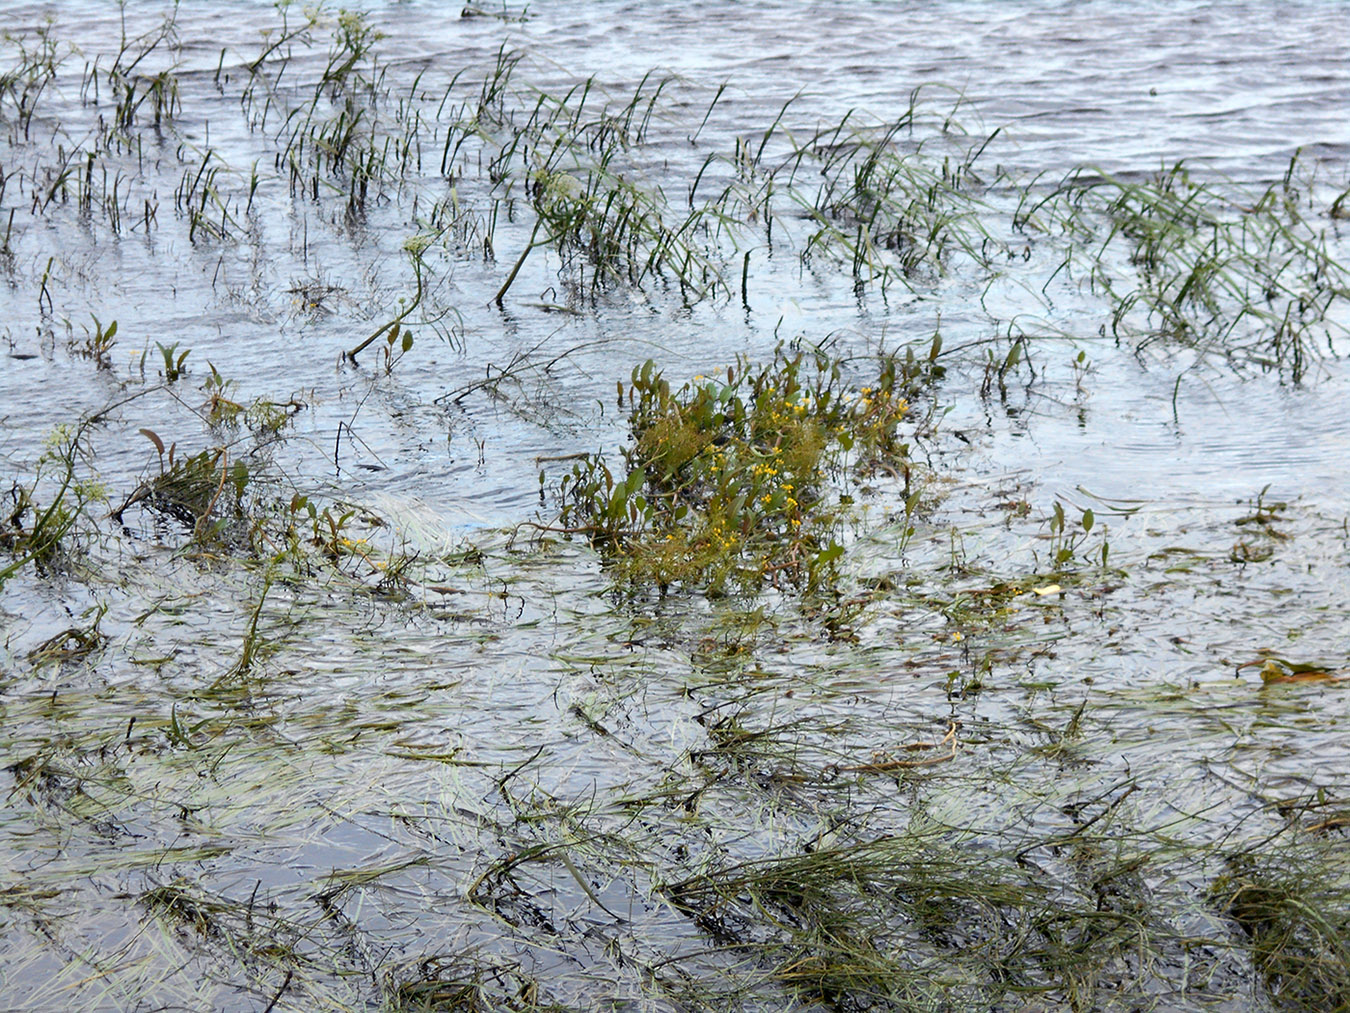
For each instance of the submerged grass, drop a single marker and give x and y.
(914, 922)
(1291, 907)
(298, 761)
(1243, 272)
(773, 822)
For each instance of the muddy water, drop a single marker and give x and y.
(361, 799)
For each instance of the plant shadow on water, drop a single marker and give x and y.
(483, 537)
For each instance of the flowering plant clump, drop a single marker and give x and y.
(736, 478)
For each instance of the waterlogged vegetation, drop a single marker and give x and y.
(1248, 273)
(478, 536)
(727, 479)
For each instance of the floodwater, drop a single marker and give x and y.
(236, 779)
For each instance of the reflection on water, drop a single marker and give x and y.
(1217, 86)
(502, 763)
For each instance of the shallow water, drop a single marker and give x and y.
(424, 741)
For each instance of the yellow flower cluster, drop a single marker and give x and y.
(720, 537)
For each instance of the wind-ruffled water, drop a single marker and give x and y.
(433, 758)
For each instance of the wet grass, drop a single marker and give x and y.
(745, 839)
(1240, 271)
(766, 707)
(1295, 923)
(1245, 273)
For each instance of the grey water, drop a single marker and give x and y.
(382, 733)
(1234, 90)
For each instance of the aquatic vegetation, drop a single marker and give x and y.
(395, 330)
(916, 921)
(616, 228)
(1259, 536)
(97, 343)
(41, 517)
(808, 707)
(898, 215)
(174, 361)
(1068, 542)
(342, 138)
(577, 169)
(1295, 924)
(1246, 274)
(190, 489)
(739, 481)
(33, 68)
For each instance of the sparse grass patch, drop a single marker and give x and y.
(1248, 274)
(40, 517)
(896, 214)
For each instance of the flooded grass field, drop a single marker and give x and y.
(674, 507)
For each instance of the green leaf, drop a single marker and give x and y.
(828, 555)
